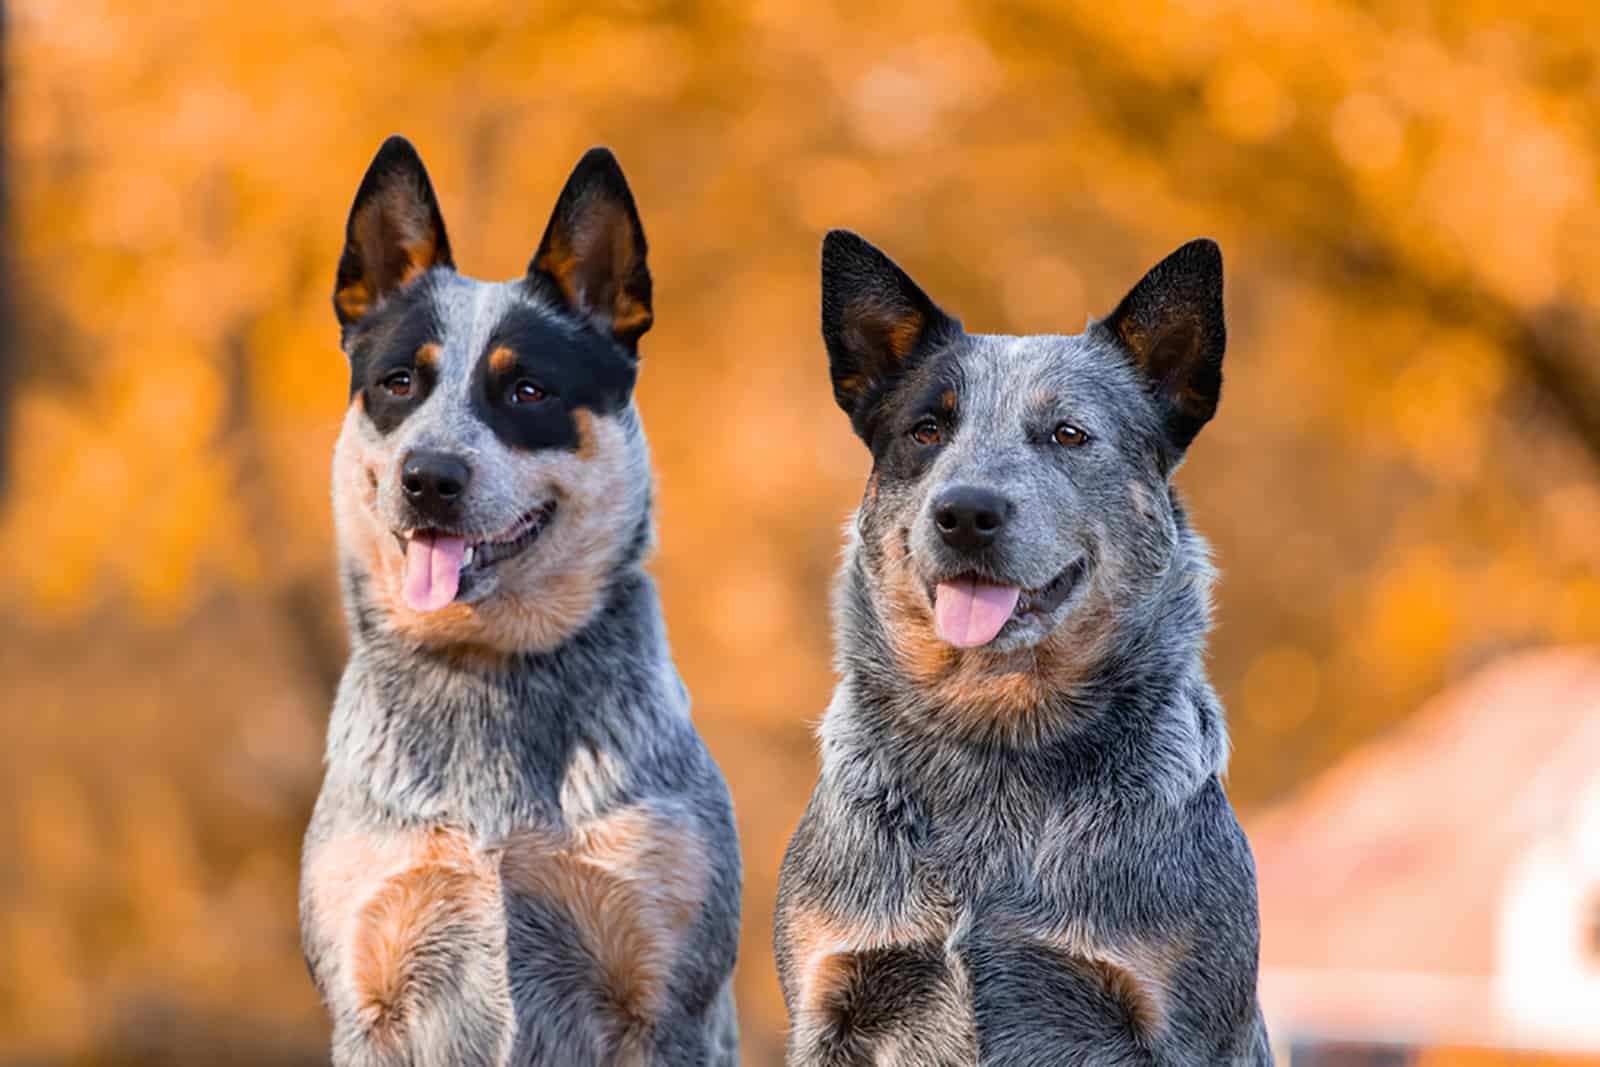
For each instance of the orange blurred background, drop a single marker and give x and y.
(1400, 486)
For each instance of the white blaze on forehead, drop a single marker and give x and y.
(467, 313)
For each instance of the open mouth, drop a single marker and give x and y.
(969, 610)
(437, 561)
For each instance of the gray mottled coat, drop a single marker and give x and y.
(1022, 853)
(522, 852)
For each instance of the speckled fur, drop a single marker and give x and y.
(522, 852)
(1022, 854)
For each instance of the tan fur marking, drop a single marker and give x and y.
(354, 300)
(345, 871)
(822, 947)
(355, 497)
(630, 317)
(392, 906)
(588, 444)
(417, 240)
(947, 400)
(560, 261)
(425, 902)
(395, 220)
(633, 883)
(392, 223)
(516, 620)
(605, 240)
(878, 326)
(1138, 973)
(1135, 337)
(984, 691)
(853, 384)
(428, 355)
(829, 982)
(1143, 343)
(502, 359)
(543, 596)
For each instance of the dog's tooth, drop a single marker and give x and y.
(466, 556)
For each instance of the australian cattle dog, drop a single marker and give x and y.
(522, 852)
(1019, 851)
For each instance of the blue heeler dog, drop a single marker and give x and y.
(1019, 851)
(522, 853)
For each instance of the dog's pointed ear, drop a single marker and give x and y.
(1171, 327)
(394, 235)
(876, 323)
(592, 256)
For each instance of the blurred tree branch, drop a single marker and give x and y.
(1302, 194)
(1553, 345)
(1559, 349)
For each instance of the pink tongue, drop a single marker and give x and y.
(969, 614)
(433, 571)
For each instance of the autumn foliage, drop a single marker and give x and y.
(1400, 483)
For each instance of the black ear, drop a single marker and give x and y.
(876, 322)
(394, 235)
(1171, 327)
(592, 256)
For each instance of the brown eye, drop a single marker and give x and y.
(525, 392)
(398, 383)
(1069, 436)
(927, 432)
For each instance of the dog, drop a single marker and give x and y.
(522, 852)
(1018, 850)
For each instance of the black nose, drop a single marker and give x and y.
(434, 482)
(969, 517)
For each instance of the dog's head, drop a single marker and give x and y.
(1019, 498)
(491, 474)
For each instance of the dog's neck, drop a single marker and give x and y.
(489, 743)
(1143, 710)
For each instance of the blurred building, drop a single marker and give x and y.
(1441, 887)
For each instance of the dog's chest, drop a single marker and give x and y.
(544, 914)
(980, 900)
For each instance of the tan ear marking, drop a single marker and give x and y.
(592, 264)
(355, 299)
(877, 326)
(558, 261)
(404, 211)
(852, 384)
(393, 236)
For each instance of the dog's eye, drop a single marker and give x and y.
(398, 383)
(1069, 436)
(927, 432)
(525, 392)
